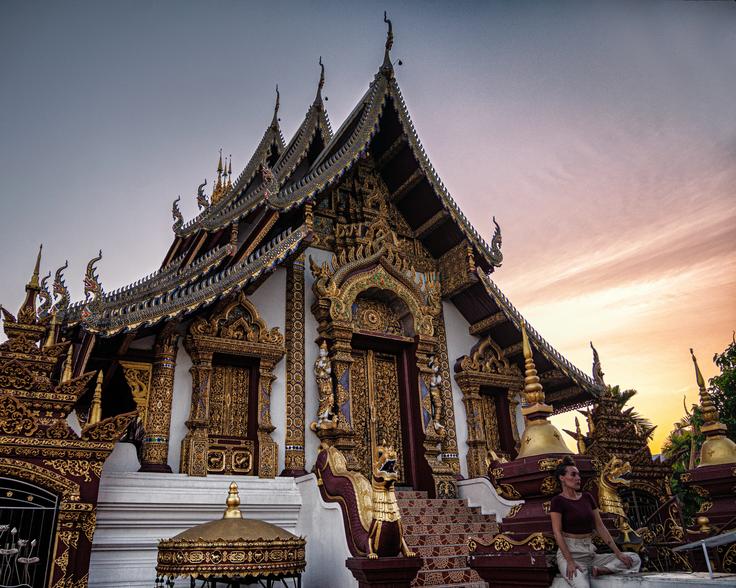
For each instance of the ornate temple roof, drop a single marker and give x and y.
(261, 221)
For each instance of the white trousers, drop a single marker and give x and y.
(583, 552)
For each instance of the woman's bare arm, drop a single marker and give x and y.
(603, 533)
(562, 544)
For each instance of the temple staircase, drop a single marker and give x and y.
(438, 530)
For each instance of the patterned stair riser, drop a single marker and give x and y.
(438, 530)
(452, 519)
(446, 539)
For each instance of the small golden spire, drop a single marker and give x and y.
(51, 337)
(219, 163)
(540, 436)
(68, 373)
(95, 410)
(717, 448)
(233, 503)
(579, 437)
(34, 278)
(229, 173)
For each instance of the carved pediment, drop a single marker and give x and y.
(237, 320)
(16, 419)
(487, 357)
(109, 429)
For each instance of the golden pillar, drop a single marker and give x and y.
(195, 445)
(155, 451)
(267, 448)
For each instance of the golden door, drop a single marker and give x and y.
(229, 451)
(374, 378)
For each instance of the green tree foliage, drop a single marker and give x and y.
(723, 387)
(644, 425)
(677, 450)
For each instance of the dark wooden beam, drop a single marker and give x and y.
(431, 223)
(402, 191)
(512, 350)
(477, 329)
(391, 152)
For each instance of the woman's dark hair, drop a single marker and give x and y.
(561, 468)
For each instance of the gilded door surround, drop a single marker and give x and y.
(486, 366)
(234, 329)
(374, 266)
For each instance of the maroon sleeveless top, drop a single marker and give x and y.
(577, 515)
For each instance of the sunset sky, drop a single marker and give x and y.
(602, 137)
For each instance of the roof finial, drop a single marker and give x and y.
(275, 120)
(95, 409)
(321, 75)
(597, 368)
(27, 313)
(229, 172)
(37, 268)
(389, 41)
(233, 502)
(717, 448)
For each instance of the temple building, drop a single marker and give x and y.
(332, 292)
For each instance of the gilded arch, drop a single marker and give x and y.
(375, 262)
(486, 366)
(235, 328)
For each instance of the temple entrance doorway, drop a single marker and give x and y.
(497, 426)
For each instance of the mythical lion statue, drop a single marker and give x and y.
(369, 509)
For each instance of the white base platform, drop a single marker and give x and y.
(669, 580)
(135, 510)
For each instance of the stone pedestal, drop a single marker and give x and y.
(715, 485)
(384, 572)
(511, 570)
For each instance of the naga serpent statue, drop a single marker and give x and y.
(609, 479)
(369, 509)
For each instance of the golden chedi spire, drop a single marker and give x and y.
(229, 173)
(540, 436)
(717, 448)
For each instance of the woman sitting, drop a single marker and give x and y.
(574, 516)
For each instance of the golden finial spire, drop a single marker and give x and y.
(95, 410)
(717, 448)
(540, 436)
(27, 313)
(233, 503)
(68, 372)
(219, 163)
(229, 172)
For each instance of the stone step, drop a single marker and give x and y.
(449, 577)
(432, 539)
(441, 529)
(413, 494)
(427, 551)
(445, 562)
(437, 510)
(432, 503)
(459, 519)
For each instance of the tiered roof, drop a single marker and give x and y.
(260, 222)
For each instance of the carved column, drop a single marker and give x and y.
(155, 452)
(195, 444)
(340, 334)
(476, 458)
(449, 443)
(267, 448)
(295, 373)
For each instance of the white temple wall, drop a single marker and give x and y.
(180, 405)
(311, 351)
(459, 343)
(270, 300)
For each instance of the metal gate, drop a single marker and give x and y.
(27, 531)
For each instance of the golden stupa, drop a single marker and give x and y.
(232, 547)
